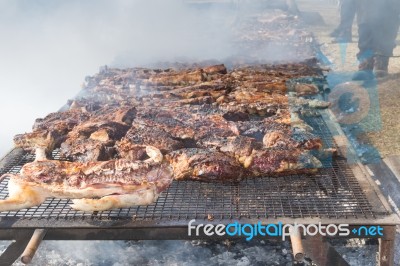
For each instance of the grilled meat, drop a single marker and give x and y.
(49, 132)
(267, 162)
(178, 78)
(253, 102)
(284, 136)
(216, 69)
(276, 135)
(239, 147)
(211, 123)
(204, 165)
(93, 186)
(169, 122)
(94, 140)
(140, 135)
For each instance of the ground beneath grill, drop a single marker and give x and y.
(210, 253)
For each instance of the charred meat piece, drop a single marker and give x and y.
(252, 129)
(123, 115)
(267, 162)
(216, 69)
(253, 102)
(94, 140)
(168, 121)
(93, 186)
(189, 123)
(140, 135)
(239, 146)
(214, 90)
(276, 135)
(283, 136)
(177, 78)
(204, 165)
(186, 77)
(49, 132)
(212, 125)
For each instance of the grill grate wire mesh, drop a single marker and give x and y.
(332, 193)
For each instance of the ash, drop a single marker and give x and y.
(167, 252)
(177, 252)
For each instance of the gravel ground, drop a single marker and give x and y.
(207, 253)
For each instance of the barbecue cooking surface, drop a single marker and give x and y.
(332, 193)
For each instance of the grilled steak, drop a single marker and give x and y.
(94, 140)
(204, 165)
(253, 102)
(49, 132)
(267, 162)
(239, 147)
(93, 186)
(275, 135)
(141, 134)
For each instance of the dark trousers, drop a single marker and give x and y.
(347, 14)
(378, 25)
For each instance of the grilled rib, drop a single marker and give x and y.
(93, 186)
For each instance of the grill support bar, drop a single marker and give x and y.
(33, 245)
(386, 246)
(322, 253)
(20, 239)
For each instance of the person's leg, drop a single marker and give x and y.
(347, 15)
(337, 30)
(385, 29)
(343, 33)
(366, 52)
(365, 33)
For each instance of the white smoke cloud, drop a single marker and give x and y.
(48, 47)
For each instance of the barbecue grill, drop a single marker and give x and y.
(339, 193)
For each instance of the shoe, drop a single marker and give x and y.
(366, 64)
(365, 70)
(381, 66)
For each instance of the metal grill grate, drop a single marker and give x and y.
(333, 193)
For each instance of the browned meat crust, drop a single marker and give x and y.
(204, 165)
(49, 132)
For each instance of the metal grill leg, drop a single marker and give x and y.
(322, 253)
(15, 249)
(386, 246)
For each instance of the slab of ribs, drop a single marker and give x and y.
(131, 132)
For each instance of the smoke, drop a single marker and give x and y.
(48, 47)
